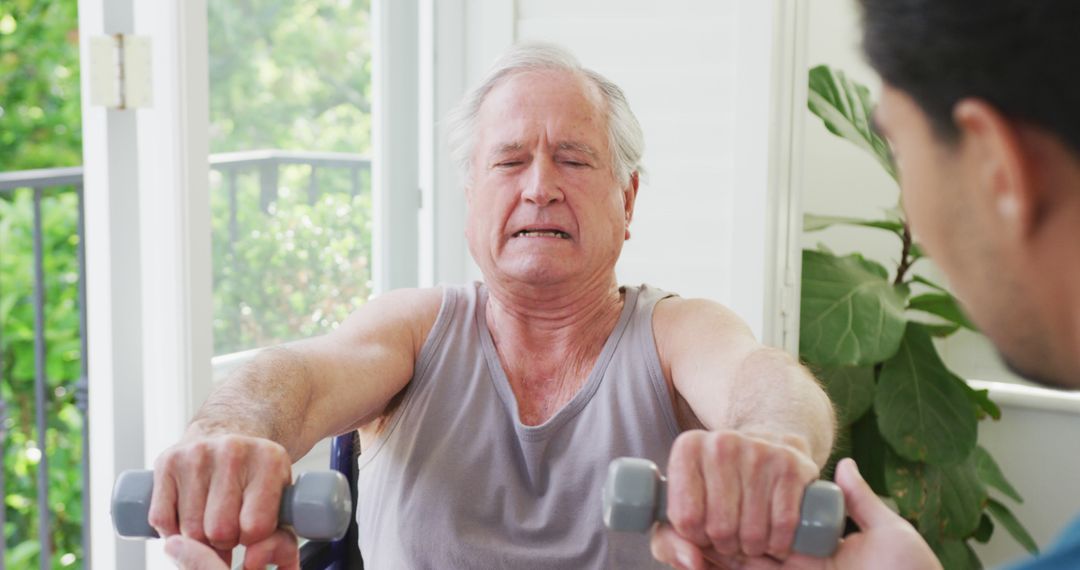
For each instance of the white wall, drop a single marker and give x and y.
(840, 179)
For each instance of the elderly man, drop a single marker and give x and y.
(488, 413)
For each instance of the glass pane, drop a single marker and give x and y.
(290, 136)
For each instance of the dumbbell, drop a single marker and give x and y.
(318, 506)
(635, 496)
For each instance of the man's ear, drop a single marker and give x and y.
(630, 196)
(993, 148)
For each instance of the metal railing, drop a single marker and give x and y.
(266, 163)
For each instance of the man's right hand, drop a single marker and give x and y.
(222, 490)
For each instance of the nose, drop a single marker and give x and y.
(542, 184)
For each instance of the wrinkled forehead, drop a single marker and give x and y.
(565, 106)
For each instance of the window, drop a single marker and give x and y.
(290, 181)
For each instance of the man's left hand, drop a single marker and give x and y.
(732, 496)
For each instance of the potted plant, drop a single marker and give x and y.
(867, 331)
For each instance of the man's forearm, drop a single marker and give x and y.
(267, 397)
(776, 395)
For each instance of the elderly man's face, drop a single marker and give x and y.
(545, 206)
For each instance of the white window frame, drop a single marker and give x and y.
(148, 238)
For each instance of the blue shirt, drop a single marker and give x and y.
(1065, 553)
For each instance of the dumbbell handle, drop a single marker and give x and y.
(318, 506)
(635, 496)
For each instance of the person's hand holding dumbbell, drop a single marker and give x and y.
(732, 497)
(222, 491)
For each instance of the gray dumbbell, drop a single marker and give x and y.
(635, 496)
(317, 506)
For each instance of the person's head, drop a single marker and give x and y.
(550, 153)
(981, 102)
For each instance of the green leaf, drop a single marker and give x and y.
(943, 305)
(846, 109)
(923, 409)
(928, 283)
(990, 474)
(868, 450)
(814, 222)
(985, 531)
(943, 501)
(23, 553)
(1007, 519)
(851, 314)
(986, 406)
(851, 390)
(940, 331)
(956, 555)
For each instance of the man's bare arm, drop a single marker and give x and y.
(731, 381)
(735, 489)
(299, 393)
(222, 483)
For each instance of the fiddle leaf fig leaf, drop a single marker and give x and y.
(923, 409)
(846, 109)
(990, 474)
(985, 531)
(928, 283)
(986, 406)
(944, 501)
(851, 389)
(868, 450)
(814, 223)
(940, 331)
(1007, 519)
(943, 305)
(956, 554)
(851, 314)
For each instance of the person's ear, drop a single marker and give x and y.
(629, 197)
(993, 149)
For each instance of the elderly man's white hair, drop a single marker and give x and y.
(624, 132)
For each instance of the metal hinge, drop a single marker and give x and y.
(120, 72)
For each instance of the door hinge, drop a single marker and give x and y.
(120, 71)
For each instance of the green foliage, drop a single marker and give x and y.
(62, 368)
(851, 314)
(40, 126)
(287, 74)
(923, 410)
(909, 422)
(40, 120)
(294, 272)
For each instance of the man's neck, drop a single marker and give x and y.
(548, 346)
(542, 319)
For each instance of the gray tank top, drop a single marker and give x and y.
(455, 480)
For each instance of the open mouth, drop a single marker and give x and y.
(542, 233)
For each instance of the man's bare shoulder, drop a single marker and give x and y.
(690, 330)
(676, 317)
(402, 313)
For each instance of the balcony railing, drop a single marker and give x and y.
(54, 181)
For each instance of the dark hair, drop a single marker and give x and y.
(1021, 56)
